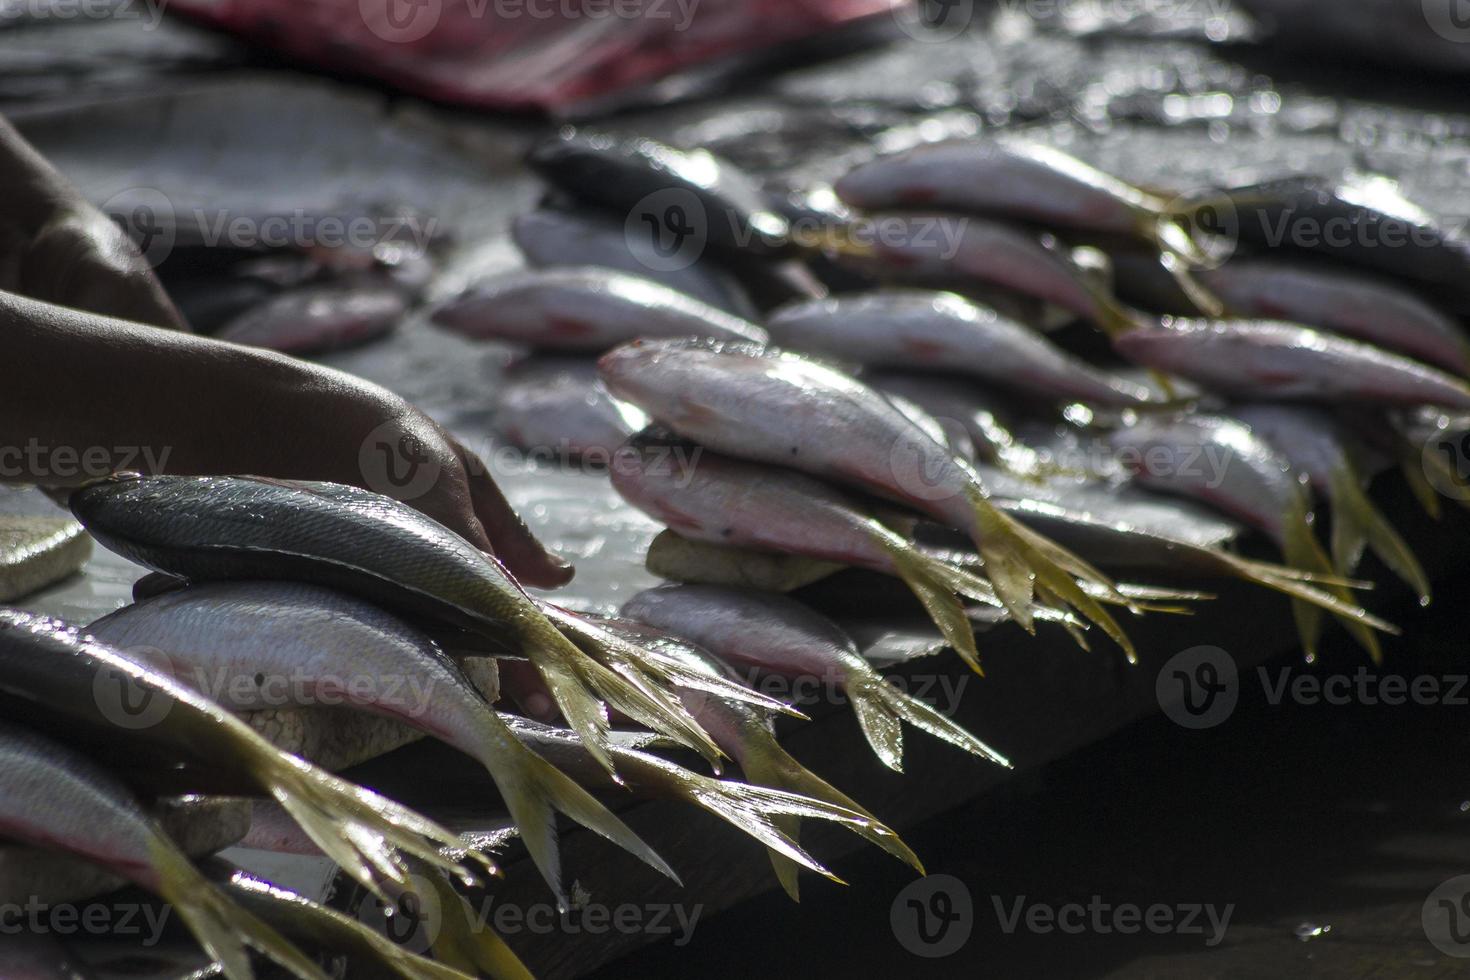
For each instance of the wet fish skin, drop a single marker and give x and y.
(619, 174)
(938, 331)
(54, 797)
(551, 238)
(559, 403)
(318, 318)
(1270, 360)
(584, 309)
(1377, 311)
(956, 402)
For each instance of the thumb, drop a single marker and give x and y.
(522, 552)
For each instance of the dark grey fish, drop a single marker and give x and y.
(559, 404)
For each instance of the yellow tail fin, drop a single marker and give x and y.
(1357, 522)
(1301, 550)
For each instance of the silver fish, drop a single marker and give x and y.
(1342, 301)
(789, 411)
(57, 679)
(54, 797)
(318, 318)
(251, 645)
(938, 331)
(551, 239)
(584, 309)
(1269, 360)
(203, 528)
(966, 405)
(560, 404)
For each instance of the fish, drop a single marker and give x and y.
(559, 403)
(777, 408)
(554, 238)
(318, 318)
(54, 797)
(368, 544)
(748, 736)
(1024, 181)
(944, 249)
(939, 331)
(755, 810)
(1269, 360)
(583, 309)
(970, 407)
(700, 194)
(1343, 301)
(238, 642)
(1220, 461)
(1361, 219)
(323, 928)
(743, 504)
(1318, 445)
(778, 634)
(54, 678)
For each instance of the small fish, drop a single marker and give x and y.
(1316, 444)
(1221, 462)
(943, 249)
(938, 331)
(51, 676)
(748, 736)
(53, 797)
(1268, 360)
(776, 633)
(583, 309)
(1342, 301)
(318, 318)
(733, 502)
(757, 810)
(559, 403)
(257, 643)
(724, 206)
(966, 405)
(552, 238)
(784, 410)
(204, 528)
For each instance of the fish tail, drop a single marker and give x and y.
(462, 945)
(1357, 522)
(767, 764)
(1301, 550)
(534, 789)
(618, 671)
(1020, 562)
(358, 829)
(221, 927)
(900, 705)
(1180, 255)
(928, 578)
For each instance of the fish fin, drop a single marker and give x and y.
(1419, 484)
(1301, 550)
(617, 671)
(355, 827)
(767, 764)
(1013, 550)
(1357, 521)
(460, 943)
(1180, 254)
(584, 713)
(669, 671)
(533, 789)
(881, 725)
(920, 714)
(925, 579)
(221, 927)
